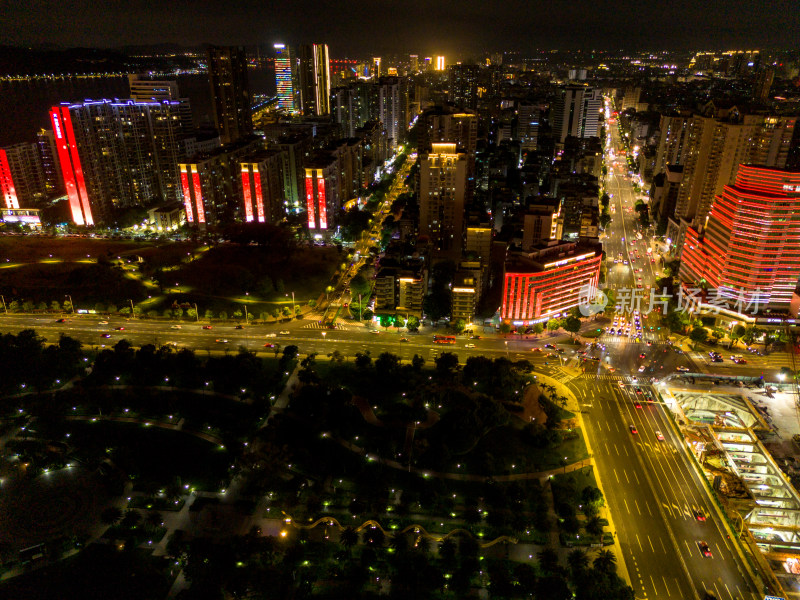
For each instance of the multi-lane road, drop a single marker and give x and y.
(660, 504)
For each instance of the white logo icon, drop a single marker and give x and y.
(591, 300)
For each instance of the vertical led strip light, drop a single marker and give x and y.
(323, 210)
(67, 169)
(248, 199)
(187, 195)
(310, 202)
(7, 189)
(198, 195)
(259, 195)
(69, 132)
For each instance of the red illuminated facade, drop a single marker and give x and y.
(7, 190)
(747, 256)
(549, 281)
(322, 197)
(71, 166)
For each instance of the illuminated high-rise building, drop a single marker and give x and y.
(314, 79)
(285, 77)
(442, 192)
(116, 154)
(323, 201)
(747, 255)
(54, 181)
(414, 62)
(576, 112)
(230, 92)
(464, 85)
(376, 67)
(440, 64)
(22, 179)
(762, 83)
(262, 187)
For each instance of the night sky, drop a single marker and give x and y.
(445, 26)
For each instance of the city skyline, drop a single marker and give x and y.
(445, 27)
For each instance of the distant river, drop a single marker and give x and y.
(24, 105)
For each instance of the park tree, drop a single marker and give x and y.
(209, 314)
(363, 359)
(446, 364)
(437, 305)
(554, 324)
(28, 306)
(459, 325)
(55, 306)
(286, 311)
(505, 327)
(42, 306)
(413, 323)
(538, 328)
(386, 321)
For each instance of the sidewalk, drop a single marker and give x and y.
(573, 405)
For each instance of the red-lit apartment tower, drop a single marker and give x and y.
(322, 195)
(748, 253)
(71, 166)
(8, 192)
(550, 280)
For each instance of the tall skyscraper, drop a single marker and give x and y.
(116, 155)
(376, 67)
(576, 112)
(285, 77)
(464, 85)
(230, 92)
(442, 191)
(157, 90)
(314, 79)
(413, 60)
(528, 116)
(390, 111)
(748, 253)
(354, 106)
(54, 181)
(440, 63)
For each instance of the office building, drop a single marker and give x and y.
(22, 177)
(376, 67)
(466, 290)
(285, 77)
(464, 85)
(295, 151)
(576, 112)
(413, 60)
(748, 252)
(549, 280)
(314, 79)
(448, 125)
(630, 97)
(442, 191)
(665, 196)
(400, 287)
(117, 154)
(354, 106)
(167, 217)
(230, 92)
(440, 63)
(673, 133)
(540, 222)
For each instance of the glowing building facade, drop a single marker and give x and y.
(747, 256)
(284, 77)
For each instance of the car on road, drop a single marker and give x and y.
(119, 329)
(103, 323)
(638, 390)
(717, 359)
(740, 361)
(642, 355)
(704, 549)
(550, 346)
(206, 326)
(659, 436)
(641, 369)
(682, 369)
(285, 333)
(404, 339)
(371, 331)
(633, 429)
(475, 337)
(268, 345)
(61, 320)
(176, 327)
(270, 335)
(105, 335)
(239, 327)
(221, 341)
(699, 515)
(469, 345)
(637, 404)
(536, 349)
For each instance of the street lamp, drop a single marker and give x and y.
(132, 314)
(196, 313)
(5, 308)
(71, 304)
(287, 295)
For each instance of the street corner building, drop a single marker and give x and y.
(550, 279)
(746, 256)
